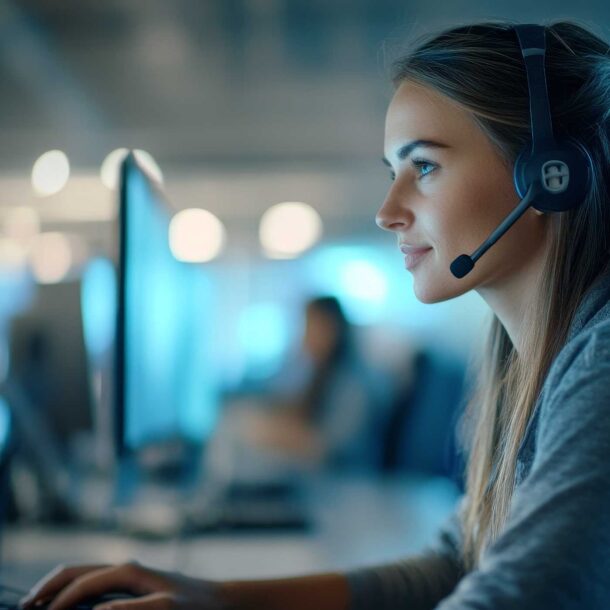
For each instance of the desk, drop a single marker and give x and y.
(358, 522)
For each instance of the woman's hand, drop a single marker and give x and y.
(157, 590)
(153, 589)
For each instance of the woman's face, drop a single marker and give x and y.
(321, 334)
(450, 196)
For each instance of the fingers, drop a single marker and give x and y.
(156, 601)
(54, 582)
(127, 577)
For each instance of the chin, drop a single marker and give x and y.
(431, 290)
(429, 297)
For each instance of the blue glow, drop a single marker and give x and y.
(375, 288)
(99, 306)
(364, 281)
(16, 291)
(170, 385)
(263, 335)
(5, 424)
(358, 276)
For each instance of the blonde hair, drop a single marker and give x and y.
(480, 67)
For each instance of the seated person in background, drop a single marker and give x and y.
(333, 421)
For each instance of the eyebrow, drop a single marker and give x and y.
(407, 149)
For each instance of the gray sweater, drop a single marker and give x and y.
(554, 551)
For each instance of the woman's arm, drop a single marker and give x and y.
(158, 590)
(321, 591)
(418, 582)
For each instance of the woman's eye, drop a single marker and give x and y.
(422, 164)
(423, 168)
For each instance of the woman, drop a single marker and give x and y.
(532, 530)
(332, 421)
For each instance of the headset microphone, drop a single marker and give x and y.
(463, 264)
(549, 175)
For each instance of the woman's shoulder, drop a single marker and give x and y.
(589, 334)
(583, 355)
(576, 392)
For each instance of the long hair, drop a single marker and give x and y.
(481, 68)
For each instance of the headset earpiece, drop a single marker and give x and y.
(563, 173)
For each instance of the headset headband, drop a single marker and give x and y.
(533, 48)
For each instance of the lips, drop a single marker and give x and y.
(414, 255)
(414, 249)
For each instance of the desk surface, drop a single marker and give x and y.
(357, 522)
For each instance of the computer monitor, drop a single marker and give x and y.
(48, 362)
(49, 393)
(165, 386)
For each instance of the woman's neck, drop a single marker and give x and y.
(510, 297)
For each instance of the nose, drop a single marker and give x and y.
(393, 215)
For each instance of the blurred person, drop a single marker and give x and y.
(333, 420)
(531, 530)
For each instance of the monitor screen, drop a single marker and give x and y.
(165, 388)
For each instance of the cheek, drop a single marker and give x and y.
(472, 208)
(461, 216)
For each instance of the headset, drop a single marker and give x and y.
(551, 175)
